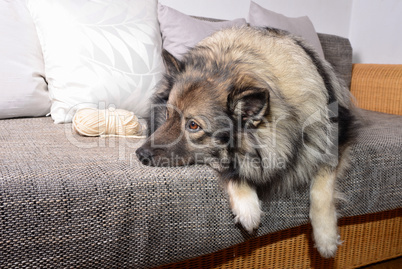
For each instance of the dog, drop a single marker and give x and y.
(264, 110)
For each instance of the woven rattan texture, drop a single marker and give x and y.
(367, 239)
(378, 87)
(69, 201)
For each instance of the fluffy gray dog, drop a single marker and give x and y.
(266, 112)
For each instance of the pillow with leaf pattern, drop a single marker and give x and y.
(98, 53)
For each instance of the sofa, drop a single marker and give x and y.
(69, 201)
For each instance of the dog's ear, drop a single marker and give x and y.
(173, 66)
(250, 104)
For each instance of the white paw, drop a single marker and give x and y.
(327, 243)
(247, 214)
(245, 206)
(323, 213)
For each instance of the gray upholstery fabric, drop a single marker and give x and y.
(74, 202)
(338, 52)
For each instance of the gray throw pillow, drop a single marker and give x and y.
(181, 32)
(301, 26)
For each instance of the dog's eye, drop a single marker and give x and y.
(193, 126)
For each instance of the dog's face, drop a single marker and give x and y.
(200, 112)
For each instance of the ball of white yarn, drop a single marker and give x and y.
(106, 122)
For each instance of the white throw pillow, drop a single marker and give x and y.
(99, 53)
(301, 26)
(23, 90)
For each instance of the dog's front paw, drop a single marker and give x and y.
(245, 206)
(248, 214)
(327, 245)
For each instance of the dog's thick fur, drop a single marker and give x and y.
(266, 112)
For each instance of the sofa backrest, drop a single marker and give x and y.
(337, 51)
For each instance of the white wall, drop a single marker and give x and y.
(376, 31)
(219, 9)
(374, 27)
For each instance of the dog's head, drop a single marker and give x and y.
(200, 109)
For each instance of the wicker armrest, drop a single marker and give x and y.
(378, 87)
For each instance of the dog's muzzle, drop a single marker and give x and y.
(145, 155)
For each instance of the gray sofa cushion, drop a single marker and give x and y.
(71, 201)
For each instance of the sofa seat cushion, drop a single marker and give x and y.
(72, 201)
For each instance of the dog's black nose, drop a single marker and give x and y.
(144, 155)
